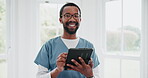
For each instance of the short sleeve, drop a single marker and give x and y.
(43, 56)
(94, 57)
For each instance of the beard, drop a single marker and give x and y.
(71, 31)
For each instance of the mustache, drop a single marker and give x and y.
(67, 23)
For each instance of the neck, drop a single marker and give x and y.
(69, 36)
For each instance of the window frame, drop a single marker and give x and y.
(104, 54)
(144, 53)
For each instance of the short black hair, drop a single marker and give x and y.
(68, 4)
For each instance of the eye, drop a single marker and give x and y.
(76, 15)
(67, 15)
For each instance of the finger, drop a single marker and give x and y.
(91, 63)
(64, 55)
(76, 63)
(61, 59)
(72, 67)
(82, 61)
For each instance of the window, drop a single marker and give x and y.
(123, 38)
(49, 21)
(3, 61)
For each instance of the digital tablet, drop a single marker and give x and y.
(74, 53)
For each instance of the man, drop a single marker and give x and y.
(52, 56)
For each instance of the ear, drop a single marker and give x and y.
(80, 19)
(60, 19)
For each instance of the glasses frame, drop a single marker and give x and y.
(75, 16)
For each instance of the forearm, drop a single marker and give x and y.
(54, 73)
(42, 72)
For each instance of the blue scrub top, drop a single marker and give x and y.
(49, 52)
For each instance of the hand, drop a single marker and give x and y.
(61, 61)
(85, 69)
(60, 65)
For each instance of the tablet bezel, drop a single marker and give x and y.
(74, 53)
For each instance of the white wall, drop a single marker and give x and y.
(89, 20)
(24, 38)
(91, 24)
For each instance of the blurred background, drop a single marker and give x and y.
(117, 28)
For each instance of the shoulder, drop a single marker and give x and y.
(51, 41)
(86, 41)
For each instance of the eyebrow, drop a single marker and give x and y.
(69, 13)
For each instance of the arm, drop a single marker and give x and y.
(60, 65)
(43, 72)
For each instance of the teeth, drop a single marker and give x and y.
(71, 25)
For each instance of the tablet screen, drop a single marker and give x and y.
(74, 53)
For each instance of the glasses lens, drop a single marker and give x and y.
(76, 16)
(67, 16)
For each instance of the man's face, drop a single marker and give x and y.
(70, 19)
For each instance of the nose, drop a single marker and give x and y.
(72, 19)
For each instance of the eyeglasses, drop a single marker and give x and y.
(69, 16)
